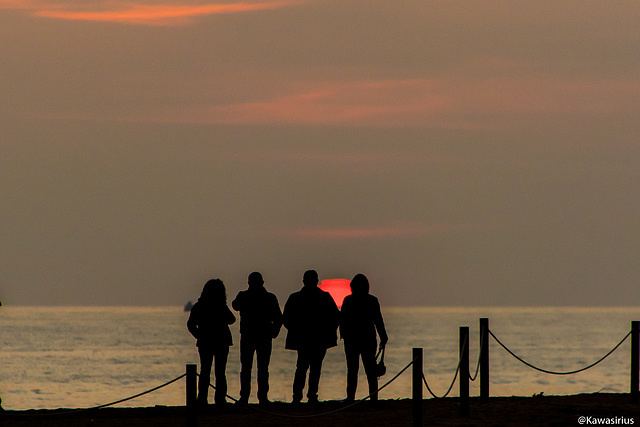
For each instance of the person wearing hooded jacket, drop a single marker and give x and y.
(209, 323)
(360, 319)
(260, 323)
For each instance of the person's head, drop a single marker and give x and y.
(359, 285)
(214, 291)
(310, 278)
(255, 280)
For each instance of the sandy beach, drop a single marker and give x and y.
(596, 409)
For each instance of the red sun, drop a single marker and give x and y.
(337, 288)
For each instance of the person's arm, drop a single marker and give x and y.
(230, 318)
(379, 323)
(238, 302)
(333, 310)
(287, 314)
(342, 316)
(192, 322)
(276, 318)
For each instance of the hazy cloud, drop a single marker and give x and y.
(392, 231)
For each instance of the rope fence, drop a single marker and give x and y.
(483, 359)
(482, 344)
(105, 405)
(347, 406)
(461, 375)
(556, 372)
(455, 376)
(139, 394)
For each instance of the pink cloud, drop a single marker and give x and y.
(138, 13)
(382, 102)
(477, 101)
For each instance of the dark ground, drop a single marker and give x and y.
(498, 411)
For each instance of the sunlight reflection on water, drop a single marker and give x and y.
(81, 357)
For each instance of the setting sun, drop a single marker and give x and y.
(338, 288)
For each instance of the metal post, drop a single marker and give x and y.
(192, 392)
(635, 359)
(417, 387)
(463, 375)
(484, 359)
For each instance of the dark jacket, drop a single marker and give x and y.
(360, 318)
(209, 324)
(260, 315)
(311, 318)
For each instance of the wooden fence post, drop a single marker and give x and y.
(635, 360)
(464, 370)
(417, 387)
(192, 393)
(484, 359)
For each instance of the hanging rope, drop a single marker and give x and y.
(455, 376)
(72, 411)
(357, 402)
(555, 372)
(139, 394)
(473, 378)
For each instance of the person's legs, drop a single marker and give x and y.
(317, 356)
(247, 348)
(302, 366)
(263, 350)
(206, 359)
(369, 362)
(353, 365)
(222, 355)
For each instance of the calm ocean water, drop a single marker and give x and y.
(77, 357)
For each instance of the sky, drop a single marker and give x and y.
(457, 153)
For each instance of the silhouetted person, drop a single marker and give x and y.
(209, 323)
(360, 319)
(311, 318)
(260, 323)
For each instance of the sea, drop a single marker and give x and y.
(81, 357)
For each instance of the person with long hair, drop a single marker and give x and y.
(360, 319)
(209, 323)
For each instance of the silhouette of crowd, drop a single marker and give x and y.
(312, 320)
